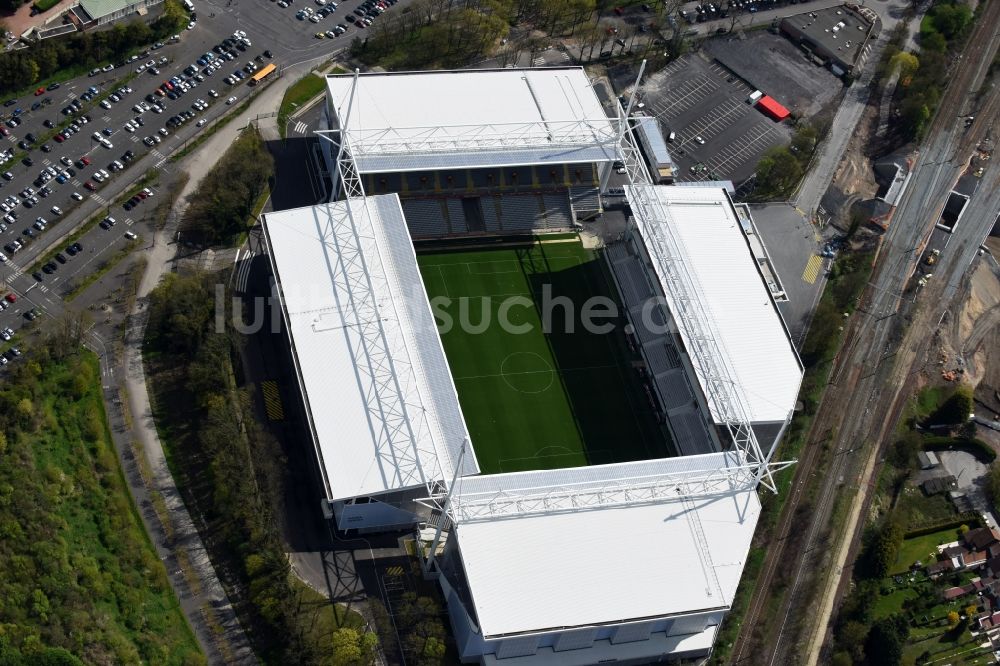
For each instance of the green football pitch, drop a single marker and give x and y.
(533, 398)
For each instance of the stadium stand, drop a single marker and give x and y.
(585, 201)
(424, 219)
(456, 216)
(491, 213)
(663, 360)
(556, 213)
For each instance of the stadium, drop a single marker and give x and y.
(573, 415)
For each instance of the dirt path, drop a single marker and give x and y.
(235, 646)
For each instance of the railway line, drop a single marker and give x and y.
(869, 381)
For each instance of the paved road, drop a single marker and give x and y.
(872, 369)
(830, 152)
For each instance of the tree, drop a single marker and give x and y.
(884, 548)
(804, 140)
(993, 483)
(951, 20)
(971, 610)
(351, 647)
(778, 171)
(903, 453)
(906, 64)
(955, 410)
(884, 645)
(841, 658)
(953, 619)
(932, 42)
(421, 628)
(851, 639)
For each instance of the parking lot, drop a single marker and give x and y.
(105, 145)
(773, 64)
(717, 134)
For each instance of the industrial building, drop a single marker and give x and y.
(836, 37)
(96, 13)
(631, 562)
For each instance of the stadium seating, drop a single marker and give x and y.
(499, 214)
(491, 214)
(424, 218)
(585, 200)
(556, 213)
(456, 216)
(663, 361)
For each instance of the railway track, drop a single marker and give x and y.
(861, 375)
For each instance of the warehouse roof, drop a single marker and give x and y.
(471, 118)
(734, 301)
(98, 9)
(350, 315)
(520, 581)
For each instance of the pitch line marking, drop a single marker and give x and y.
(549, 370)
(531, 372)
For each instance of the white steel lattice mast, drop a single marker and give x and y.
(404, 446)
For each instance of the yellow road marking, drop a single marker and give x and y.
(813, 267)
(272, 400)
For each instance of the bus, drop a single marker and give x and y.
(262, 74)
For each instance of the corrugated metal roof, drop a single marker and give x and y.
(605, 566)
(468, 159)
(100, 8)
(749, 329)
(324, 333)
(472, 118)
(649, 130)
(593, 475)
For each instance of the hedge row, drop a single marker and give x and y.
(977, 447)
(969, 518)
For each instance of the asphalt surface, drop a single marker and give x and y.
(718, 135)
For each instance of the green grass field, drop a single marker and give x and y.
(538, 400)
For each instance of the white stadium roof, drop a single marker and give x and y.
(606, 566)
(412, 121)
(747, 326)
(373, 433)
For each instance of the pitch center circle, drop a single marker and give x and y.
(527, 372)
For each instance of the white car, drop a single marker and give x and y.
(107, 144)
(231, 100)
(66, 161)
(212, 93)
(191, 25)
(3, 257)
(77, 196)
(129, 235)
(56, 210)
(105, 104)
(129, 126)
(164, 132)
(201, 123)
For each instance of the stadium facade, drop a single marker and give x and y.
(630, 562)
